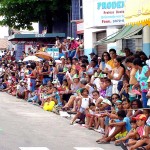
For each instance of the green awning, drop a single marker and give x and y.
(35, 36)
(127, 32)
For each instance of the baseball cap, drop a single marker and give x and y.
(140, 117)
(106, 101)
(92, 53)
(75, 76)
(68, 38)
(77, 39)
(119, 101)
(55, 81)
(62, 57)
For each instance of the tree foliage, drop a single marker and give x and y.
(21, 13)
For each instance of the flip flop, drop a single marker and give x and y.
(90, 128)
(103, 142)
(100, 140)
(123, 146)
(71, 112)
(141, 148)
(117, 144)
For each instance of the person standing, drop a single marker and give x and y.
(142, 75)
(45, 72)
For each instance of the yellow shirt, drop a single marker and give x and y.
(111, 63)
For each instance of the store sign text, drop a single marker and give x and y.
(110, 5)
(109, 12)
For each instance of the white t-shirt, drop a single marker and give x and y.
(85, 102)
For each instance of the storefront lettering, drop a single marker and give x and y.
(39, 35)
(108, 12)
(110, 5)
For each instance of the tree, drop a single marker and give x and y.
(21, 13)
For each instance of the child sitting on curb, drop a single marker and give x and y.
(84, 103)
(130, 135)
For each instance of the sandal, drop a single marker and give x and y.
(123, 146)
(103, 142)
(141, 148)
(71, 123)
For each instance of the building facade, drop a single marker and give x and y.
(103, 18)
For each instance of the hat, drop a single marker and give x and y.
(106, 101)
(55, 81)
(101, 75)
(140, 117)
(148, 79)
(50, 63)
(75, 76)
(65, 69)
(77, 39)
(68, 38)
(85, 73)
(72, 39)
(62, 57)
(92, 53)
(119, 101)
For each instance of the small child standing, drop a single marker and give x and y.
(84, 103)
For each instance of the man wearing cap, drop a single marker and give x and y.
(73, 47)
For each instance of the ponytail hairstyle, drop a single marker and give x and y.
(139, 62)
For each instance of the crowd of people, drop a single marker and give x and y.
(110, 95)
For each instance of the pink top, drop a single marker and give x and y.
(140, 130)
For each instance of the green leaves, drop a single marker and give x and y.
(21, 13)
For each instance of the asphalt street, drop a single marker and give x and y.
(24, 126)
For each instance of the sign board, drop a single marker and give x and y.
(19, 51)
(54, 52)
(103, 13)
(108, 12)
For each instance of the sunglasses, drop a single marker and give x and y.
(115, 98)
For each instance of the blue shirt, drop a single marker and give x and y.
(127, 125)
(109, 91)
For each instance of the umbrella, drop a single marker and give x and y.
(31, 58)
(43, 55)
